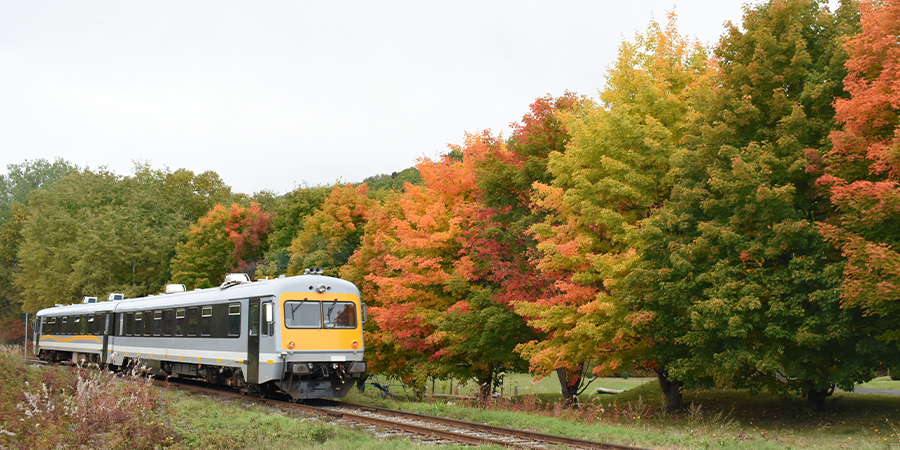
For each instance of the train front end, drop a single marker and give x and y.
(320, 340)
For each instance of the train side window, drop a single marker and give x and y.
(168, 322)
(90, 325)
(179, 322)
(99, 322)
(75, 328)
(157, 323)
(206, 321)
(132, 321)
(51, 322)
(148, 323)
(192, 321)
(234, 319)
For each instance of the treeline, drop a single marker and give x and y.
(720, 217)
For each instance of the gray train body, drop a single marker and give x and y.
(300, 335)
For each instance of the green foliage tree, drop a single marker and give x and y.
(615, 171)
(290, 214)
(735, 284)
(95, 232)
(15, 186)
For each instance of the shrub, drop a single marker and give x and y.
(75, 407)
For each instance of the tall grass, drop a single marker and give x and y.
(78, 407)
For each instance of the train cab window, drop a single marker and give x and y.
(303, 314)
(206, 321)
(179, 322)
(234, 319)
(168, 320)
(157, 323)
(148, 323)
(193, 321)
(339, 314)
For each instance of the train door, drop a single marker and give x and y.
(253, 317)
(109, 320)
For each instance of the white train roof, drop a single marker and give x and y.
(262, 288)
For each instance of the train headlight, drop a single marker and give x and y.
(355, 344)
(291, 344)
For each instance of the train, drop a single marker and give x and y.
(300, 335)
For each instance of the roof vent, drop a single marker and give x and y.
(115, 297)
(89, 300)
(175, 288)
(234, 279)
(313, 271)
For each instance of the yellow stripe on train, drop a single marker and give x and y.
(82, 337)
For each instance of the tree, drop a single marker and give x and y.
(15, 188)
(92, 233)
(863, 168)
(225, 240)
(735, 283)
(290, 214)
(331, 234)
(615, 171)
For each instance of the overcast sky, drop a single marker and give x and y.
(272, 95)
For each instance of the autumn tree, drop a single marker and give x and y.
(332, 233)
(432, 315)
(863, 169)
(737, 286)
(615, 171)
(227, 239)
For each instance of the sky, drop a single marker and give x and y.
(273, 95)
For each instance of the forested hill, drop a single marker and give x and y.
(719, 216)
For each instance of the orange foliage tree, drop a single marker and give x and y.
(863, 168)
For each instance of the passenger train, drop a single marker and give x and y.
(298, 335)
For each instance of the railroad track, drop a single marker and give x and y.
(435, 428)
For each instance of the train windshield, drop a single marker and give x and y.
(303, 314)
(315, 314)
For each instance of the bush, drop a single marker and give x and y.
(12, 331)
(75, 407)
(895, 373)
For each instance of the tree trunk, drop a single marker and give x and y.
(671, 388)
(484, 389)
(815, 398)
(569, 392)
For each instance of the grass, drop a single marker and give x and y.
(717, 418)
(204, 422)
(882, 383)
(65, 407)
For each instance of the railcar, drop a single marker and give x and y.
(299, 335)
